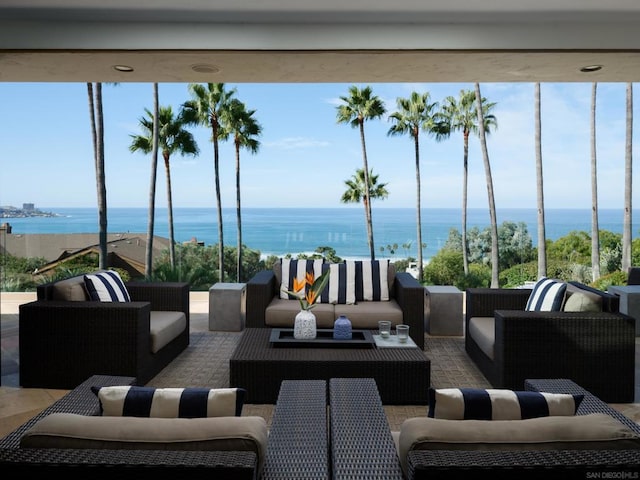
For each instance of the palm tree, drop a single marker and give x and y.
(542, 236)
(460, 115)
(595, 238)
(359, 106)
(356, 191)
(243, 127)
(414, 114)
(495, 257)
(207, 104)
(148, 269)
(172, 138)
(97, 134)
(628, 162)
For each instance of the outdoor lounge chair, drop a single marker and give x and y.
(65, 341)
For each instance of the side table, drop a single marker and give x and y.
(443, 310)
(629, 301)
(227, 306)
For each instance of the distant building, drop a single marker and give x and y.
(124, 250)
(29, 207)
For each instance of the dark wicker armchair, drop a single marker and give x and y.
(62, 343)
(594, 349)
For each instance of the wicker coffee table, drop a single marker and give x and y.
(402, 374)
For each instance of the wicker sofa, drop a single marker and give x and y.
(265, 308)
(575, 463)
(596, 349)
(299, 421)
(362, 445)
(65, 337)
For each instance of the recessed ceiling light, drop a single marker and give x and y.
(591, 68)
(123, 68)
(205, 68)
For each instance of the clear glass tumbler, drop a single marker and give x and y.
(402, 331)
(384, 327)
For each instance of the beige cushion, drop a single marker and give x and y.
(483, 332)
(71, 289)
(164, 327)
(366, 314)
(582, 302)
(586, 301)
(67, 430)
(282, 313)
(595, 431)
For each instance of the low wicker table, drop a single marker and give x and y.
(402, 375)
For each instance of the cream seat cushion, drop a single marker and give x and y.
(69, 430)
(594, 431)
(164, 327)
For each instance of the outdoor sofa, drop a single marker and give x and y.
(401, 302)
(65, 337)
(618, 456)
(363, 446)
(595, 347)
(244, 450)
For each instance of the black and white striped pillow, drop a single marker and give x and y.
(106, 286)
(547, 296)
(134, 401)
(499, 404)
(294, 268)
(341, 287)
(372, 282)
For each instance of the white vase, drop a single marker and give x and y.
(305, 325)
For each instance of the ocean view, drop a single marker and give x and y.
(279, 231)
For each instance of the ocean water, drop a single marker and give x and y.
(279, 231)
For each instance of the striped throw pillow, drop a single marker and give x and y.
(106, 286)
(134, 401)
(294, 268)
(341, 287)
(499, 404)
(372, 280)
(547, 296)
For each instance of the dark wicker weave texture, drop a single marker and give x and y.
(298, 441)
(361, 443)
(402, 374)
(595, 349)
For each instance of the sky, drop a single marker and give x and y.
(305, 156)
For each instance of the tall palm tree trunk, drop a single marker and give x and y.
(216, 168)
(418, 207)
(367, 198)
(465, 180)
(172, 240)
(97, 132)
(595, 236)
(542, 236)
(628, 163)
(495, 281)
(238, 216)
(148, 269)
